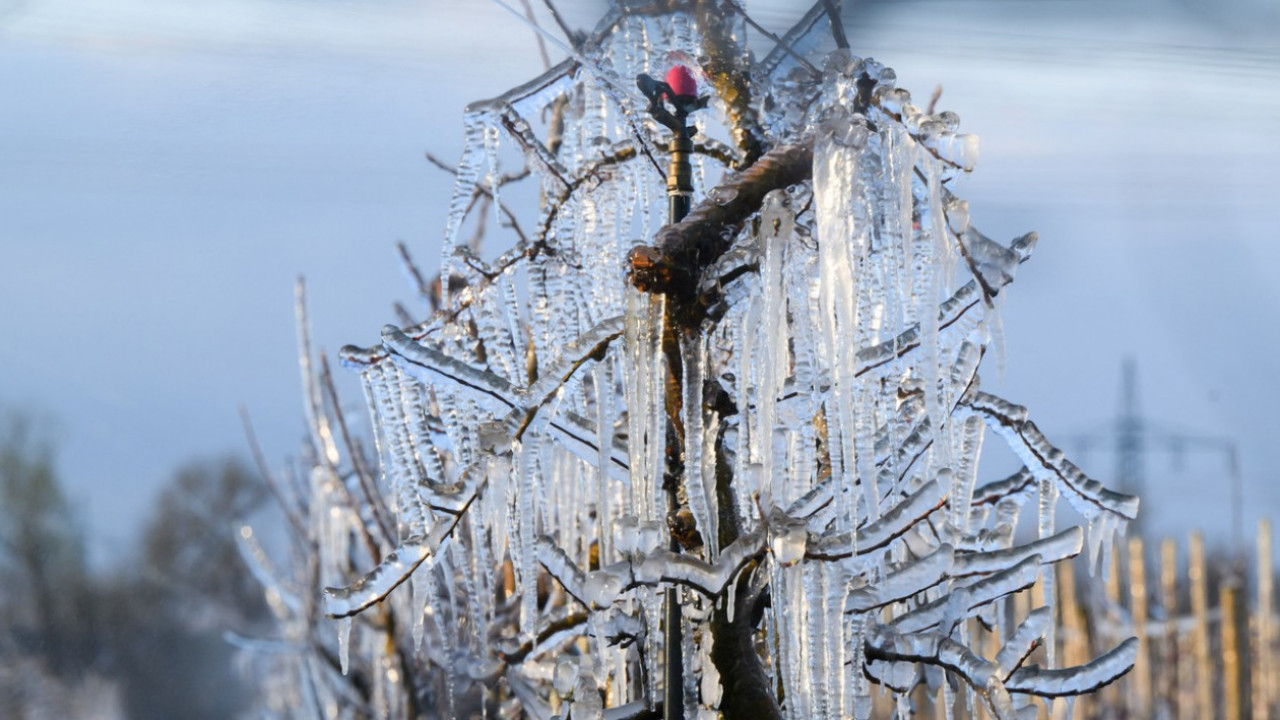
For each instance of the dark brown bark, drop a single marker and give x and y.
(673, 264)
(747, 692)
(746, 687)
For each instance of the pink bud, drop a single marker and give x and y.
(682, 82)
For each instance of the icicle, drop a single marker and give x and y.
(1048, 506)
(422, 593)
(699, 488)
(936, 256)
(771, 357)
(995, 325)
(523, 552)
(603, 381)
(344, 643)
(862, 705)
(836, 154)
(797, 634)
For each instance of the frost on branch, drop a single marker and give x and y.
(772, 407)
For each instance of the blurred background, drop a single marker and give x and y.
(168, 170)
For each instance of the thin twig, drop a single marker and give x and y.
(542, 44)
(402, 314)
(564, 28)
(420, 283)
(269, 477)
(777, 41)
(512, 221)
(622, 154)
(933, 100)
(364, 473)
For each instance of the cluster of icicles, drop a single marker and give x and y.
(521, 433)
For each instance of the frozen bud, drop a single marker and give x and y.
(650, 536)
(892, 99)
(682, 82)
(753, 479)
(946, 477)
(958, 215)
(602, 587)
(959, 150)
(626, 534)
(789, 544)
(566, 677)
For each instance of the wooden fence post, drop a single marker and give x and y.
(1264, 667)
(1169, 677)
(1229, 626)
(1141, 673)
(1200, 634)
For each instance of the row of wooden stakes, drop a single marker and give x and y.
(1207, 633)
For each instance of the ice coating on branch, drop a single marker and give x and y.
(699, 483)
(792, 441)
(903, 583)
(891, 525)
(1030, 632)
(1100, 671)
(395, 568)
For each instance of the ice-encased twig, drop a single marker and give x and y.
(1087, 495)
(396, 567)
(963, 600)
(260, 565)
(561, 567)
(804, 29)
(1019, 483)
(1066, 544)
(950, 311)
(1101, 671)
(916, 577)
(588, 346)
(317, 421)
(892, 644)
(1025, 639)
(429, 366)
(578, 435)
(601, 587)
(892, 524)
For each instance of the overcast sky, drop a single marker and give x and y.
(168, 170)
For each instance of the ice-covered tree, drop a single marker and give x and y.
(721, 465)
